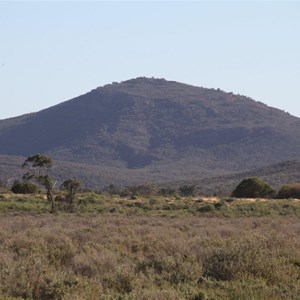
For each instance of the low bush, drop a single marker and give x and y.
(207, 208)
(253, 188)
(289, 191)
(24, 188)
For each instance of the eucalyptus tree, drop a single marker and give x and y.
(71, 186)
(38, 167)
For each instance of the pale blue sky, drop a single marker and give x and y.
(53, 51)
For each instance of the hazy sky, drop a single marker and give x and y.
(53, 51)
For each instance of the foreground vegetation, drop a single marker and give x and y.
(121, 257)
(114, 247)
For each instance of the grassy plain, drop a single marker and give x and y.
(150, 248)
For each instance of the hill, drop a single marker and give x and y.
(153, 129)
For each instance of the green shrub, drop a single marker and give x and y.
(88, 199)
(24, 188)
(207, 208)
(219, 204)
(289, 191)
(253, 188)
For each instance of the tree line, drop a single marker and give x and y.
(36, 177)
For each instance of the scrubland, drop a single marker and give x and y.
(149, 248)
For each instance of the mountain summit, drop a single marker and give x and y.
(159, 126)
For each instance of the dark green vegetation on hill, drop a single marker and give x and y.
(149, 248)
(153, 130)
(97, 177)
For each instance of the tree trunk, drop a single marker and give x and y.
(50, 199)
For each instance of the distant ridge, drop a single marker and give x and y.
(155, 126)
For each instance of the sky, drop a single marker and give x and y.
(53, 51)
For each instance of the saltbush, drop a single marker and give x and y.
(24, 188)
(289, 191)
(207, 208)
(253, 188)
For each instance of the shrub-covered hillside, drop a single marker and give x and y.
(158, 127)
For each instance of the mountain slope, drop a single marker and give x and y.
(159, 126)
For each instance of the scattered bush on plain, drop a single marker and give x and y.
(19, 187)
(253, 188)
(289, 191)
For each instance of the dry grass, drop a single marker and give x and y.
(112, 256)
